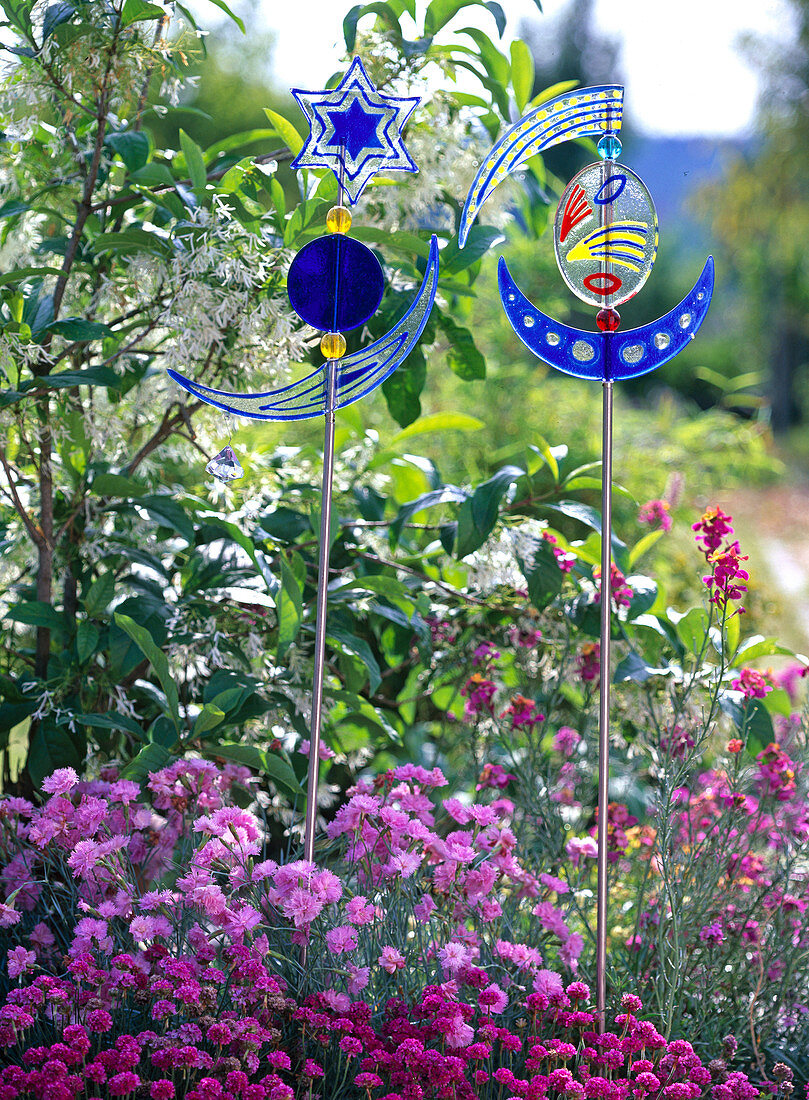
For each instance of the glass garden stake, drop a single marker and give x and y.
(335, 283)
(605, 239)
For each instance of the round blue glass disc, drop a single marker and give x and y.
(335, 283)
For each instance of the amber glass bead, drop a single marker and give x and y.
(608, 320)
(338, 219)
(333, 345)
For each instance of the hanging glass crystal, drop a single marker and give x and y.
(225, 466)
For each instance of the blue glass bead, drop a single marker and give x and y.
(609, 148)
(335, 283)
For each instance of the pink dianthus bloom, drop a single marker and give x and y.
(343, 938)
(391, 960)
(549, 983)
(62, 781)
(20, 960)
(323, 751)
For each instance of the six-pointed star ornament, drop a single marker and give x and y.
(355, 131)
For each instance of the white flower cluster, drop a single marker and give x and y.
(496, 563)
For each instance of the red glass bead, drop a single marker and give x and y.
(608, 320)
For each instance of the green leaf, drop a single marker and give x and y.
(643, 544)
(151, 758)
(634, 668)
(237, 141)
(438, 422)
(112, 720)
(224, 7)
(132, 146)
(496, 63)
(87, 635)
(36, 613)
(55, 15)
(383, 10)
(194, 161)
(79, 330)
(733, 630)
(644, 594)
(752, 720)
(692, 629)
(170, 513)
(462, 355)
(522, 73)
(759, 646)
(53, 747)
(481, 238)
(402, 389)
(134, 11)
(208, 718)
(265, 763)
(100, 594)
(131, 241)
(439, 13)
(286, 131)
(157, 659)
(444, 495)
(360, 648)
(543, 575)
(116, 485)
(289, 607)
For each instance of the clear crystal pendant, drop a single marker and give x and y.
(225, 466)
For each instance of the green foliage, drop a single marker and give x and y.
(140, 234)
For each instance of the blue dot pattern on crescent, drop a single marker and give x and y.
(355, 131)
(600, 356)
(588, 112)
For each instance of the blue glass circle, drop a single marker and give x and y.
(609, 148)
(335, 283)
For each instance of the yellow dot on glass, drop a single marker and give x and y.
(333, 345)
(338, 219)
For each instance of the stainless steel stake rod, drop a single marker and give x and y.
(320, 616)
(604, 700)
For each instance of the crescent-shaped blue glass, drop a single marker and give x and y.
(357, 374)
(606, 356)
(335, 283)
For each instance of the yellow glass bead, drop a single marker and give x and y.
(338, 219)
(333, 345)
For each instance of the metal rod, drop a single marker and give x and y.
(604, 693)
(320, 617)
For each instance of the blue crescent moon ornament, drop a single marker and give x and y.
(357, 374)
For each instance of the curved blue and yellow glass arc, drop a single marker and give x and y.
(357, 374)
(590, 112)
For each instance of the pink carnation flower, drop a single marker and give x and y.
(391, 960)
(62, 781)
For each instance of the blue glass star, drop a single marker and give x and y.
(355, 130)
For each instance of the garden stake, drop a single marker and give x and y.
(335, 283)
(605, 240)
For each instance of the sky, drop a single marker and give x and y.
(680, 61)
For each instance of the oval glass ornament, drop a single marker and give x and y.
(335, 283)
(605, 234)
